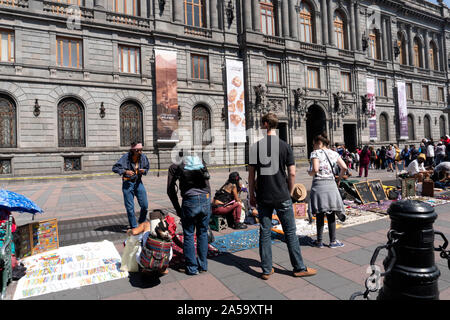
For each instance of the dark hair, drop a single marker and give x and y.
(323, 137)
(234, 178)
(271, 119)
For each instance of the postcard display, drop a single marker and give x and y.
(38, 237)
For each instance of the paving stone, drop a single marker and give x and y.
(242, 282)
(309, 292)
(264, 293)
(345, 292)
(327, 280)
(170, 291)
(361, 257)
(115, 287)
(205, 287)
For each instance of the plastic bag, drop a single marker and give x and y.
(129, 262)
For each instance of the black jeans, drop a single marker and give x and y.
(320, 222)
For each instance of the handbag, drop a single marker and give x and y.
(155, 254)
(129, 262)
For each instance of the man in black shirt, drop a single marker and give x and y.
(269, 159)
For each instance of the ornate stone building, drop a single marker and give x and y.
(77, 77)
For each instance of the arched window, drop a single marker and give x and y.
(374, 45)
(201, 125)
(71, 123)
(410, 127)
(401, 43)
(384, 133)
(269, 18)
(442, 127)
(130, 124)
(306, 23)
(8, 131)
(340, 30)
(417, 53)
(194, 13)
(433, 56)
(427, 127)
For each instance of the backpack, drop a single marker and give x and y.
(155, 254)
(193, 173)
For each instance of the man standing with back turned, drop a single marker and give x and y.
(269, 158)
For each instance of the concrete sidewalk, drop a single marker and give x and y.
(97, 205)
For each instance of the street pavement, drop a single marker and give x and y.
(90, 208)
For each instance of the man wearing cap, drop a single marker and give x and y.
(131, 166)
(417, 169)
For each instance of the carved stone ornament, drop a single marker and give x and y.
(260, 101)
(340, 108)
(299, 101)
(229, 10)
(162, 4)
(275, 105)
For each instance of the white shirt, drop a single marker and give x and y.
(414, 168)
(443, 166)
(325, 170)
(430, 151)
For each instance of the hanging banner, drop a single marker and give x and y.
(166, 95)
(236, 101)
(402, 110)
(371, 105)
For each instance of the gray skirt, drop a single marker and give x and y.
(325, 197)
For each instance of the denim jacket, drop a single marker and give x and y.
(125, 163)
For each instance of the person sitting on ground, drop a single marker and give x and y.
(143, 229)
(441, 175)
(227, 202)
(417, 169)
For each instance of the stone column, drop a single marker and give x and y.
(178, 11)
(385, 38)
(331, 24)
(293, 18)
(352, 27)
(324, 10)
(440, 51)
(410, 45)
(254, 9)
(214, 14)
(143, 8)
(357, 26)
(278, 17)
(427, 51)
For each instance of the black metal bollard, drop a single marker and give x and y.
(414, 274)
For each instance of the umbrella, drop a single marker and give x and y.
(16, 202)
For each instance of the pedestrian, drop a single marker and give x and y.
(325, 198)
(267, 177)
(364, 161)
(397, 158)
(382, 158)
(405, 156)
(390, 157)
(413, 153)
(440, 153)
(132, 166)
(227, 202)
(373, 158)
(430, 153)
(195, 209)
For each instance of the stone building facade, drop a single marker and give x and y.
(77, 77)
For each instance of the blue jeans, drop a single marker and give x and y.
(131, 190)
(196, 212)
(285, 213)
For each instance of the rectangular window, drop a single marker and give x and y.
(346, 81)
(441, 97)
(194, 13)
(69, 52)
(5, 166)
(409, 91)
(6, 46)
(273, 73)
(425, 93)
(199, 67)
(381, 86)
(128, 7)
(268, 26)
(72, 163)
(313, 78)
(129, 59)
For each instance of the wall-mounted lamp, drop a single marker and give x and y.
(37, 108)
(102, 110)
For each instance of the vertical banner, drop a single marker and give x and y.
(371, 105)
(236, 101)
(166, 95)
(402, 110)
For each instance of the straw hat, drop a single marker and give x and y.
(299, 192)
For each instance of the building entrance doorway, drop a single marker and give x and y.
(316, 123)
(350, 137)
(283, 131)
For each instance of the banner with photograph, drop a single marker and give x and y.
(371, 105)
(236, 101)
(402, 110)
(166, 94)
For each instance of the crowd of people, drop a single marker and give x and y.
(392, 158)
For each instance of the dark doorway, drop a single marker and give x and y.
(316, 124)
(282, 131)
(350, 136)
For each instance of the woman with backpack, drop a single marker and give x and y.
(227, 202)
